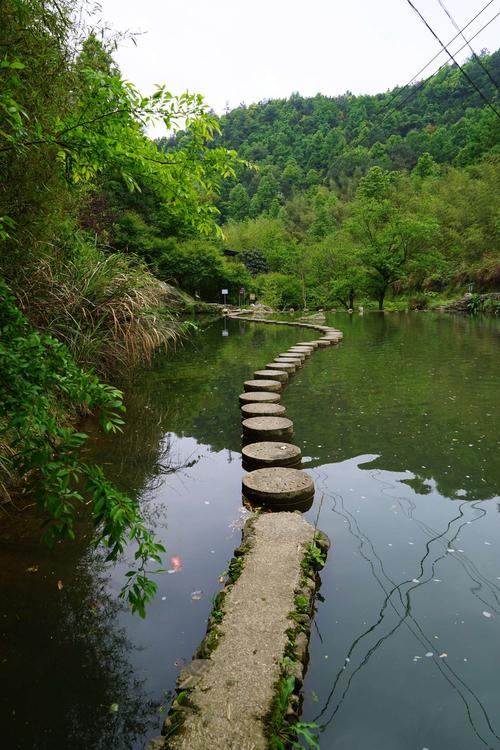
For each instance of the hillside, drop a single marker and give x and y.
(332, 141)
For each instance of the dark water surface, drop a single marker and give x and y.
(400, 427)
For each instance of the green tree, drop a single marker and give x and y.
(239, 203)
(389, 236)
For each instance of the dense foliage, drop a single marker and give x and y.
(300, 142)
(73, 152)
(364, 198)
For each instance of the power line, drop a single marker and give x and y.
(476, 57)
(400, 91)
(464, 73)
(417, 88)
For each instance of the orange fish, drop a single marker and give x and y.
(176, 563)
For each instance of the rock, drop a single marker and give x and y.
(270, 453)
(190, 675)
(288, 367)
(262, 385)
(278, 488)
(280, 375)
(262, 410)
(257, 429)
(262, 397)
(301, 643)
(158, 743)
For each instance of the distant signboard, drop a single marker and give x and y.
(225, 333)
(242, 290)
(252, 298)
(224, 292)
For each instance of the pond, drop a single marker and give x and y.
(399, 426)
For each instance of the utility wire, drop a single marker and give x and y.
(464, 72)
(417, 88)
(400, 91)
(476, 57)
(442, 50)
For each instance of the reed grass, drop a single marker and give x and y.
(109, 310)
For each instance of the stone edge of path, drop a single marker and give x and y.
(190, 720)
(312, 326)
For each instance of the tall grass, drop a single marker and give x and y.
(107, 308)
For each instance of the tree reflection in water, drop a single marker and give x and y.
(65, 671)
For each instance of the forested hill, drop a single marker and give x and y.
(300, 142)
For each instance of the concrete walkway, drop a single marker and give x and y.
(236, 689)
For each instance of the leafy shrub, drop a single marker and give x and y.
(280, 291)
(39, 383)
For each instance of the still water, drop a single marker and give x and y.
(400, 429)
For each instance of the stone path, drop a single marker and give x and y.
(225, 697)
(235, 692)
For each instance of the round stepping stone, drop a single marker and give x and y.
(314, 344)
(324, 342)
(262, 410)
(288, 367)
(268, 428)
(291, 355)
(301, 355)
(274, 374)
(302, 350)
(260, 397)
(278, 488)
(291, 360)
(262, 385)
(265, 454)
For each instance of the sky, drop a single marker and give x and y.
(234, 51)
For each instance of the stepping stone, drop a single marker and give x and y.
(262, 410)
(302, 350)
(296, 362)
(278, 488)
(314, 344)
(261, 397)
(298, 356)
(288, 367)
(262, 385)
(266, 454)
(324, 342)
(274, 374)
(256, 429)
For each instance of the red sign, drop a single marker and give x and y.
(242, 290)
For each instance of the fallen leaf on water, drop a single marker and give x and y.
(33, 569)
(196, 595)
(180, 662)
(314, 696)
(487, 614)
(113, 709)
(429, 654)
(443, 655)
(60, 585)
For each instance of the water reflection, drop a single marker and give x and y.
(398, 427)
(400, 607)
(65, 669)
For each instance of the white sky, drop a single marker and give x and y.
(232, 51)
